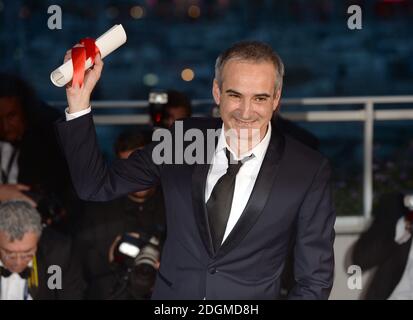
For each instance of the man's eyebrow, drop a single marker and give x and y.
(233, 91)
(22, 251)
(255, 95)
(263, 95)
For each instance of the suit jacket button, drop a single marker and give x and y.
(212, 270)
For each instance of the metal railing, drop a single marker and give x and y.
(368, 115)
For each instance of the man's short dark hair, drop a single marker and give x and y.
(254, 51)
(36, 112)
(179, 99)
(14, 86)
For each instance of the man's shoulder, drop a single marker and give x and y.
(308, 157)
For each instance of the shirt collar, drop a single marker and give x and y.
(258, 151)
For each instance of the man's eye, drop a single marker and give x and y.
(260, 99)
(233, 95)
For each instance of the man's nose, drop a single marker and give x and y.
(20, 263)
(245, 109)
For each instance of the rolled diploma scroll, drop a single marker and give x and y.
(107, 43)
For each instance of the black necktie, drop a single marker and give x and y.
(220, 200)
(25, 274)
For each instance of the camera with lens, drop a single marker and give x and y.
(157, 102)
(167, 106)
(136, 260)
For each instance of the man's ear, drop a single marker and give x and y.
(216, 92)
(276, 101)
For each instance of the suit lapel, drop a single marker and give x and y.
(259, 194)
(199, 178)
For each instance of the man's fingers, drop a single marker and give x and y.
(98, 60)
(134, 234)
(69, 85)
(29, 200)
(68, 56)
(98, 65)
(21, 196)
(22, 187)
(92, 75)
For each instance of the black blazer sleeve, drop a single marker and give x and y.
(377, 243)
(314, 252)
(92, 178)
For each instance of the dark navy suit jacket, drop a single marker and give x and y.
(290, 204)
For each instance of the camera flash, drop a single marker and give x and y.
(129, 250)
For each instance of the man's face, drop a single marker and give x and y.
(247, 98)
(16, 255)
(12, 121)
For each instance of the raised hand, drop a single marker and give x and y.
(78, 98)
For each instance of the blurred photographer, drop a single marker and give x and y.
(135, 258)
(104, 224)
(32, 166)
(166, 107)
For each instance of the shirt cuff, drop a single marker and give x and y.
(74, 115)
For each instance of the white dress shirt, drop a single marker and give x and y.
(74, 115)
(6, 151)
(245, 179)
(14, 287)
(246, 176)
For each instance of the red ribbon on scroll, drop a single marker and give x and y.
(79, 57)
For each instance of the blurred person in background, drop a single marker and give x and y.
(178, 107)
(32, 166)
(167, 106)
(387, 246)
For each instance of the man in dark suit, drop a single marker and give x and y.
(27, 124)
(233, 212)
(35, 264)
(384, 246)
(32, 165)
